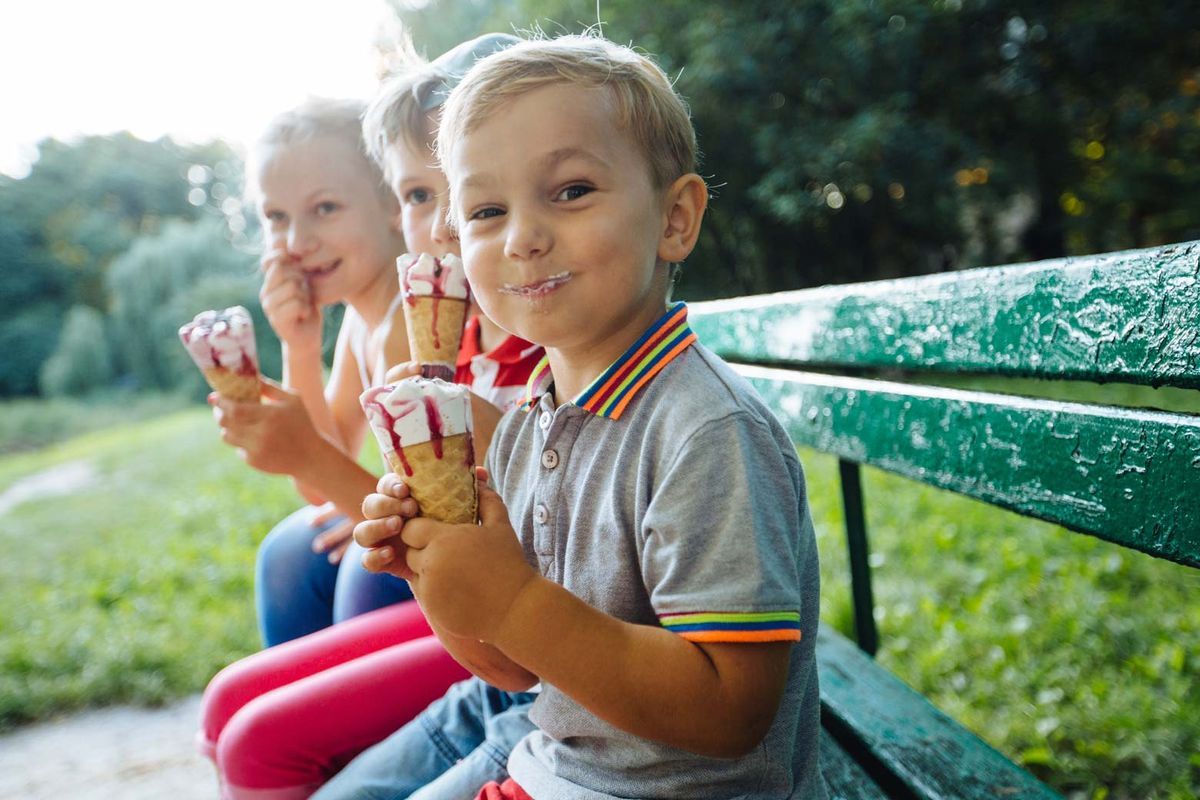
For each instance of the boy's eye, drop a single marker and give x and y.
(487, 213)
(327, 207)
(417, 197)
(274, 216)
(574, 192)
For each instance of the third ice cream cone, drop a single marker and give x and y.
(436, 299)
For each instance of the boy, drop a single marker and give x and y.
(649, 557)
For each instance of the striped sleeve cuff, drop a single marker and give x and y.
(720, 626)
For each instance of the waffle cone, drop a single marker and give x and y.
(233, 385)
(444, 487)
(435, 326)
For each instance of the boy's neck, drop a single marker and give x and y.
(373, 302)
(574, 369)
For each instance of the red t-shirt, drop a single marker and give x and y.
(499, 376)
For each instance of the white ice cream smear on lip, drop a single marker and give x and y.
(222, 338)
(425, 276)
(413, 410)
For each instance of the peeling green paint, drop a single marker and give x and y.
(1132, 317)
(1130, 476)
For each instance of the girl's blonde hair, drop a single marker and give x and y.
(647, 104)
(339, 119)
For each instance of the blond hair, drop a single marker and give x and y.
(339, 119)
(647, 104)
(400, 111)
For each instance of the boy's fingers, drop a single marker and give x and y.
(378, 560)
(392, 486)
(378, 506)
(419, 532)
(401, 371)
(272, 390)
(491, 507)
(375, 532)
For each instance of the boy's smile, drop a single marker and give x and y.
(560, 225)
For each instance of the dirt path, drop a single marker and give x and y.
(109, 754)
(59, 479)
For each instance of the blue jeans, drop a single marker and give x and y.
(448, 752)
(298, 591)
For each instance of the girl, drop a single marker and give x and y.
(332, 235)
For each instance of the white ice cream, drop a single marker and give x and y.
(425, 276)
(221, 338)
(416, 410)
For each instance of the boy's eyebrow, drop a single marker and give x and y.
(556, 157)
(317, 192)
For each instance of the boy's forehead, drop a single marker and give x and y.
(545, 126)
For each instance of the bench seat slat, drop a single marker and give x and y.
(845, 779)
(901, 738)
(1129, 476)
(1128, 317)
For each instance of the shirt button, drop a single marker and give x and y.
(540, 514)
(549, 459)
(544, 420)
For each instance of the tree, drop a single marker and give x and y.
(82, 362)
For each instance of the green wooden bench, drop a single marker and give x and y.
(837, 364)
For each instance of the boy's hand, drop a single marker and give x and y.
(385, 513)
(397, 373)
(468, 576)
(273, 436)
(335, 540)
(286, 298)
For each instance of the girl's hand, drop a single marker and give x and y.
(335, 540)
(275, 436)
(287, 300)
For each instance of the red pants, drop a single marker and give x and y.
(502, 791)
(281, 722)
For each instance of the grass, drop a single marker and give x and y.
(29, 424)
(1076, 658)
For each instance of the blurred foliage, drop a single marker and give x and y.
(34, 423)
(162, 281)
(83, 361)
(854, 139)
(82, 205)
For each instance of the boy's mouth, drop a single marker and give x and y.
(318, 272)
(536, 289)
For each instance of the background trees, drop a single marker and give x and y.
(844, 140)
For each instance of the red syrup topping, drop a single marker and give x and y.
(438, 282)
(435, 426)
(247, 367)
(391, 428)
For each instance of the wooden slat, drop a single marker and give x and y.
(1132, 317)
(900, 737)
(845, 779)
(1130, 476)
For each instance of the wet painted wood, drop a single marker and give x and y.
(1129, 476)
(899, 737)
(1131, 317)
(844, 778)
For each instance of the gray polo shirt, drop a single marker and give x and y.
(688, 511)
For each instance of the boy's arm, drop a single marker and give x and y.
(716, 699)
(486, 662)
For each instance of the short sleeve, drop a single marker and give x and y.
(726, 535)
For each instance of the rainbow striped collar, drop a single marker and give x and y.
(609, 394)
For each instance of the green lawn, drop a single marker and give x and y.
(1073, 656)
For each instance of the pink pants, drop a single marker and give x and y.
(281, 722)
(509, 790)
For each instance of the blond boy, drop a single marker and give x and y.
(649, 557)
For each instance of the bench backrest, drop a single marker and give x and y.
(1127, 475)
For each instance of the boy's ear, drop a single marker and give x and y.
(684, 206)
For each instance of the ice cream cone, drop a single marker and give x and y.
(222, 345)
(424, 431)
(436, 298)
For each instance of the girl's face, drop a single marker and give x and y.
(319, 204)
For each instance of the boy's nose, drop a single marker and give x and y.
(442, 233)
(528, 237)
